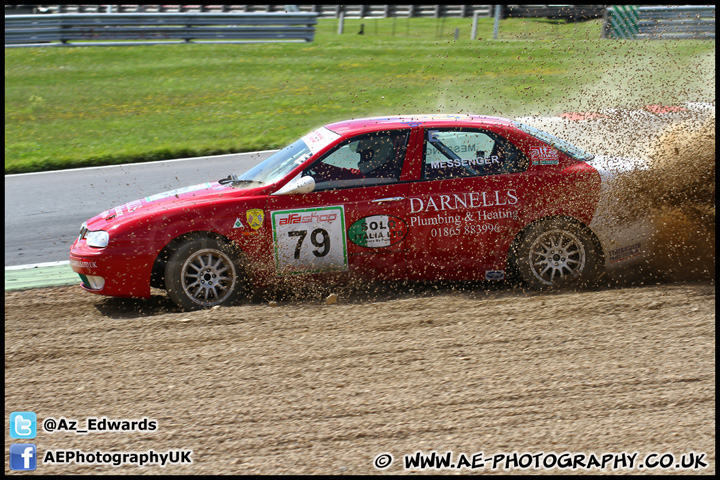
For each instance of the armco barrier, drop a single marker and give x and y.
(659, 23)
(88, 29)
(323, 11)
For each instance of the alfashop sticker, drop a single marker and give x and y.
(544, 156)
(377, 231)
(495, 275)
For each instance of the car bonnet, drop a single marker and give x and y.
(193, 194)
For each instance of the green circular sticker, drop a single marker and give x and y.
(377, 231)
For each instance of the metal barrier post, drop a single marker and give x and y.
(496, 25)
(473, 34)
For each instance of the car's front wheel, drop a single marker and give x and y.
(556, 252)
(204, 272)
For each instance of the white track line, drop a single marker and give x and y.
(38, 265)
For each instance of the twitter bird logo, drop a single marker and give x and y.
(23, 425)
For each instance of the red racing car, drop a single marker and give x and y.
(429, 197)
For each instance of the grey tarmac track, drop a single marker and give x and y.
(44, 211)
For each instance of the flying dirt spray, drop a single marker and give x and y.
(677, 191)
(671, 181)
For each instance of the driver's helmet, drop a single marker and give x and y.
(374, 153)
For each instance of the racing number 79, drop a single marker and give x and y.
(323, 245)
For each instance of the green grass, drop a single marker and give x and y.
(79, 106)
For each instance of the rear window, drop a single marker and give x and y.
(552, 140)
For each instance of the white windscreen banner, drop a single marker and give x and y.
(319, 139)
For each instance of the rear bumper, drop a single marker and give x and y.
(625, 245)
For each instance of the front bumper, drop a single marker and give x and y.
(115, 272)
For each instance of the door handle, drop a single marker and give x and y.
(389, 199)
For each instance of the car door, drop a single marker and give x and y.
(463, 213)
(353, 220)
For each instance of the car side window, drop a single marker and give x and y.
(458, 153)
(371, 159)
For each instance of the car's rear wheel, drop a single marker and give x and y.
(556, 252)
(204, 272)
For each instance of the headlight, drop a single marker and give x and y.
(98, 239)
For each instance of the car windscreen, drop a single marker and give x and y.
(282, 162)
(562, 145)
(278, 164)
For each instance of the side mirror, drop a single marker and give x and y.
(297, 185)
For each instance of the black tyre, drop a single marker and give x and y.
(205, 272)
(556, 252)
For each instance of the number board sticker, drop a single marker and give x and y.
(377, 231)
(310, 240)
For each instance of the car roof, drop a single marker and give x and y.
(361, 125)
